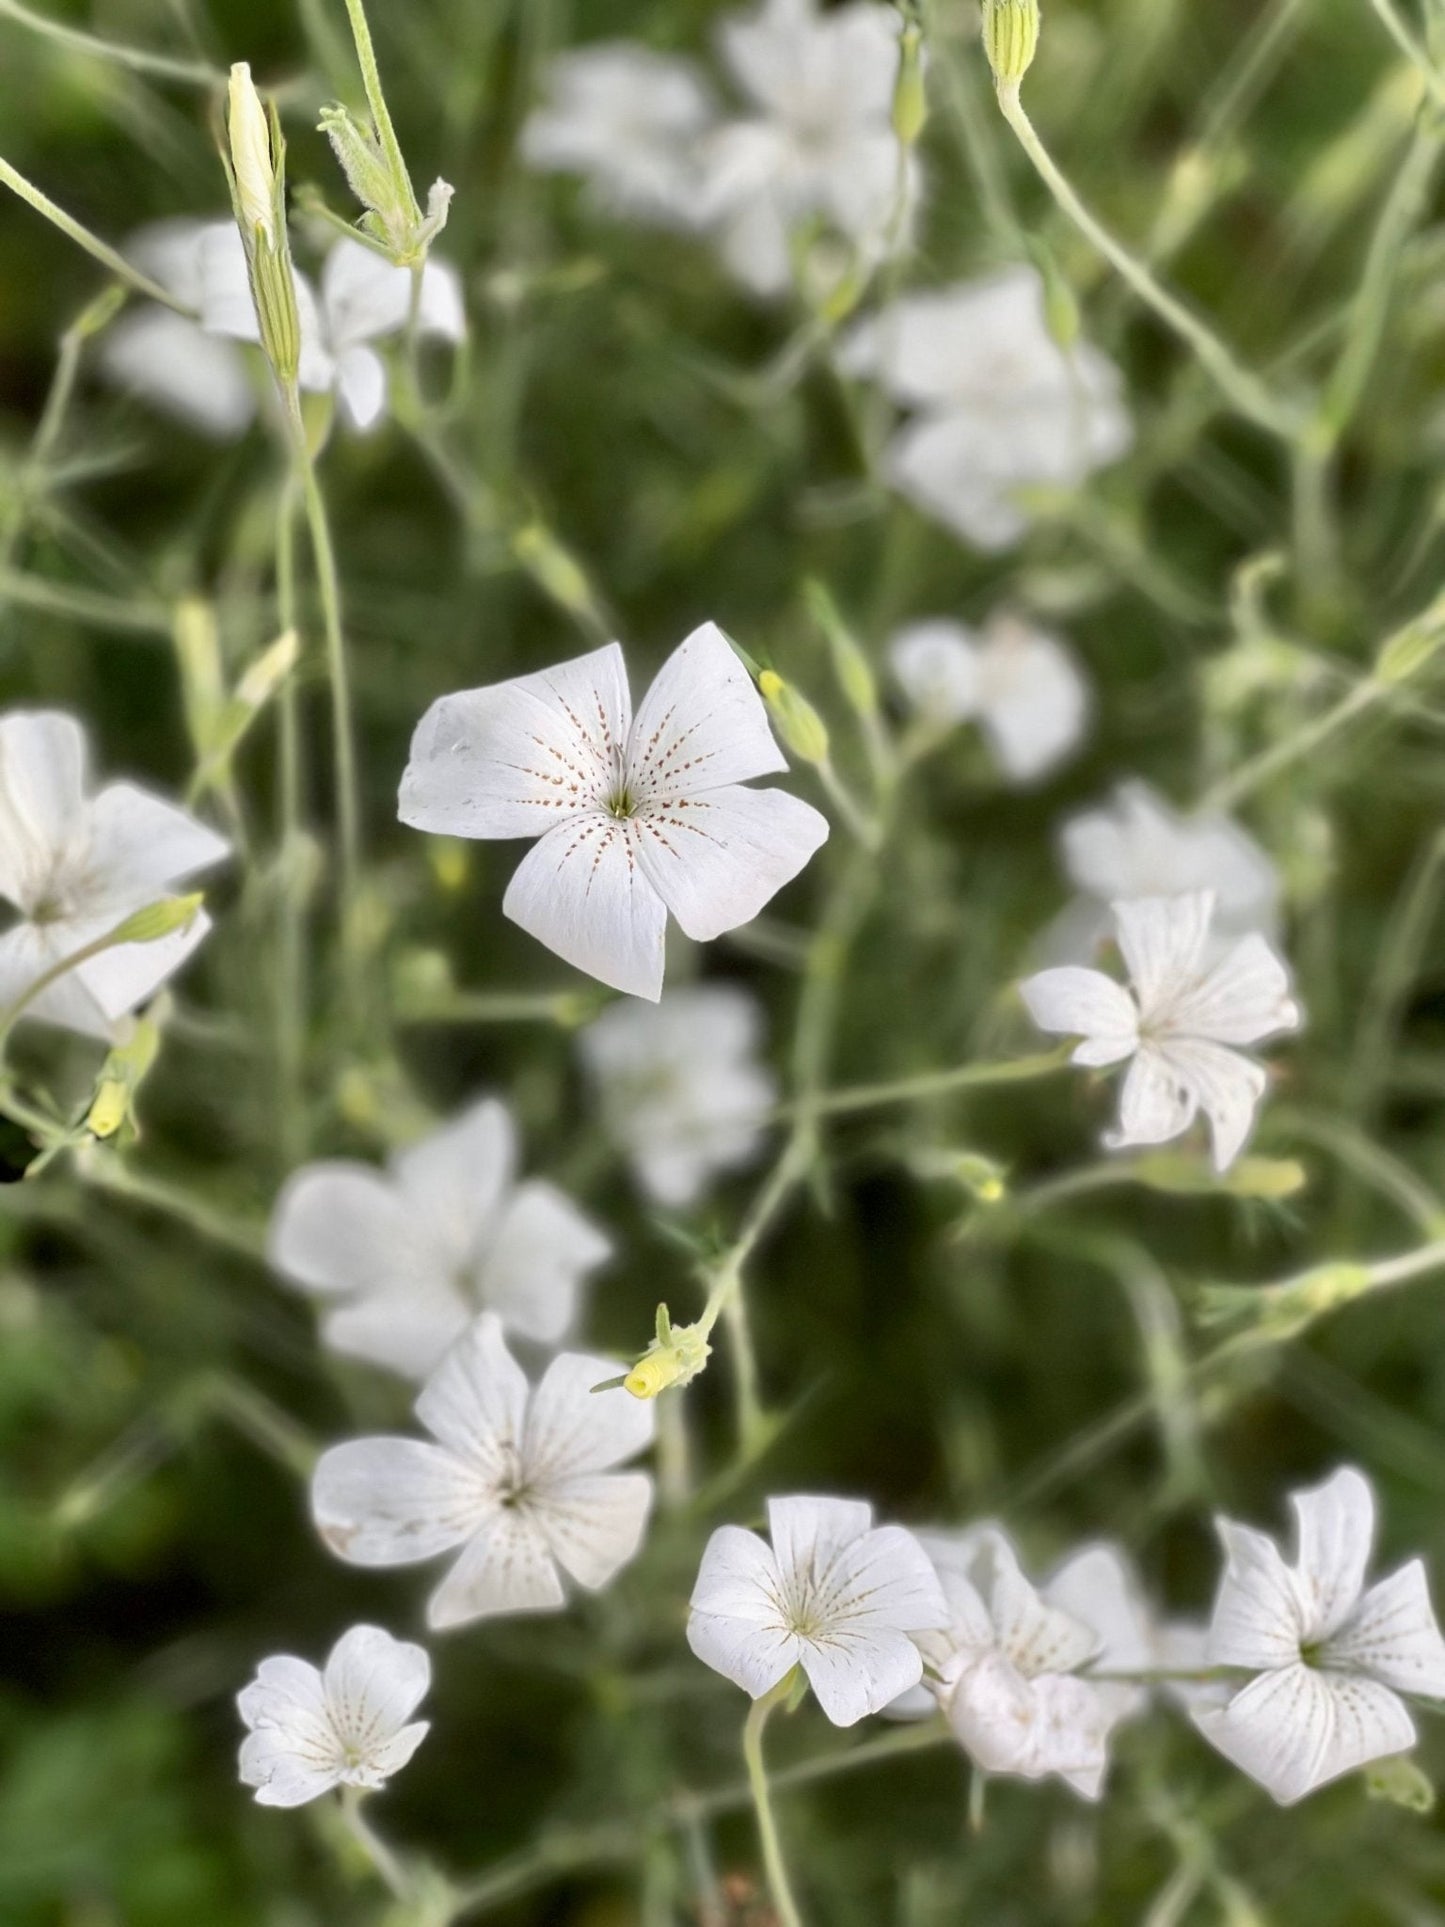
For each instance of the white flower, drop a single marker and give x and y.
(1331, 1657)
(76, 866)
(404, 1259)
(1137, 846)
(363, 297)
(833, 1594)
(630, 121)
(1008, 1668)
(169, 361)
(312, 1731)
(1021, 684)
(520, 1479)
(998, 405)
(819, 144)
(681, 1087)
(635, 818)
(1178, 1022)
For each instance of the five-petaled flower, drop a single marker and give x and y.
(347, 1726)
(1178, 1022)
(683, 1091)
(404, 1259)
(834, 1594)
(521, 1480)
(635, 817)
(76, 867)
(1331, 1657)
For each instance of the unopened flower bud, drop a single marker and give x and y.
(910, 97)
(157, 920)
(258, 192)
(251, 161)
(1010, 38)
(801, 727)
(675, 1357)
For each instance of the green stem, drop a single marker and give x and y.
(777, 1871)
(388, 1867)
(12, 1012)
(291, 941)
(1242, 388)
(92, 243)
(139, 59)
(908, 1090)
(1394, 25)
(376, 99)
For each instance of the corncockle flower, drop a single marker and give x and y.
(630, 121)
(635, 817)
(312, 1731)
(682, 1090)
(171, 362)
(521, 1480)
(819, 144)
(76, 867)
(1008, 1668)
(363, 297)
(1177, 1024)
(997, 405)
(834, 1594)
(1331, 1657)
(1022, 686)
(404, 1259)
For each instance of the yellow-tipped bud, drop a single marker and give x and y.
(801, 727)
(251, 161)
(910, 96)
(1010, 38)
(675, 1357)
(122, 1075)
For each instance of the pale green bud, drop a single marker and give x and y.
(256, 168)
(1401, 1782)
(1010, 38)
(910, 96)
(251, 163)
(157, 920)
(1407, 653)
(801, 727)
(851, 667)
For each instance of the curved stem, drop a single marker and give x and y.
(393, 1875)
(99, 250)
(777, 1871)
(907, 1090)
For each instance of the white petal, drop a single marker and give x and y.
(1259, 1618)
(716, 859)
(27, 951)
(573, 1430)
(504, 1568)
(751, 1656)
(288, 1693)
(1138, 846)
(1336, 1525)
(443, 309)
(1037, 1637)
(1227, 1087)
(1034, 700)
(952, 472)
(128, 975)
(536, 1258)
(140, 846)
(282, 1778)
(739, 1578)
(407, 1332)
(885, 1578)
(475, 1402)
(389, 1757)
(1295, 1728)
(42, 798)
(1071, 1002)
(1244, 998)
(584, 894)
(170, 252)
(1158, 1101)
(1098, 1588)
(374, 1684)
(341, 1227)
(176, 366)
(701, 725)
(454, 1180)
(363, 295)
(936, 666)
(1163, 939)
(593, 1524)
(992, 1709)
(1393, 1636)
(855, 1671)
(808, 1534)
(515, 758)
(394, 1502)
(227, 307)
(361, 383)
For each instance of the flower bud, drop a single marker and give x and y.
(801, 727)
(1010, 38)
(675, 1357)
(251, 163)
(910, 97)
(157, 920)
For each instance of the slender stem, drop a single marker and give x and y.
(1394, 24)
(291, 937)
(108, 1172)
(375, 98)
(908, 1090)
(1243, 388)
(83, 605)
(92, 243)
(1228, 793)
(851, 813)
(777, 1871)
(139, 59)
(390, 1869)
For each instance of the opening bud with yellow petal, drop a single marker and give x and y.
(1010, 38)
(675, 1357)
(121, 1077)
(801, 727)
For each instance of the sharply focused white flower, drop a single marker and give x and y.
(1331, 1656)
(1178, 1022)
(312, 1731)
(834, 1594)
(520, 1479)
(363, 298)
(682, 1090)
(1022, 686)
(635, 817)
(76, 866)
(996, 404)
(818, 145)
(631, 122)
(1008, 1670)
(169, 361)
(404, 1259)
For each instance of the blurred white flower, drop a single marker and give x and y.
(171, 362)
(1135, 845)
(833, 1594)
(403, 1260)
(636, 817)
(520, 1479)
(682, 1091)
(1177, 1022)
(819, 143)
(1331, 1657)
(76, 866)
(997, 404)
(630, 121)
(312, 1731)
(1019, 683)
(1008, 1668)
(363, 298)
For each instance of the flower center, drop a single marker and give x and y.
(621, 804)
